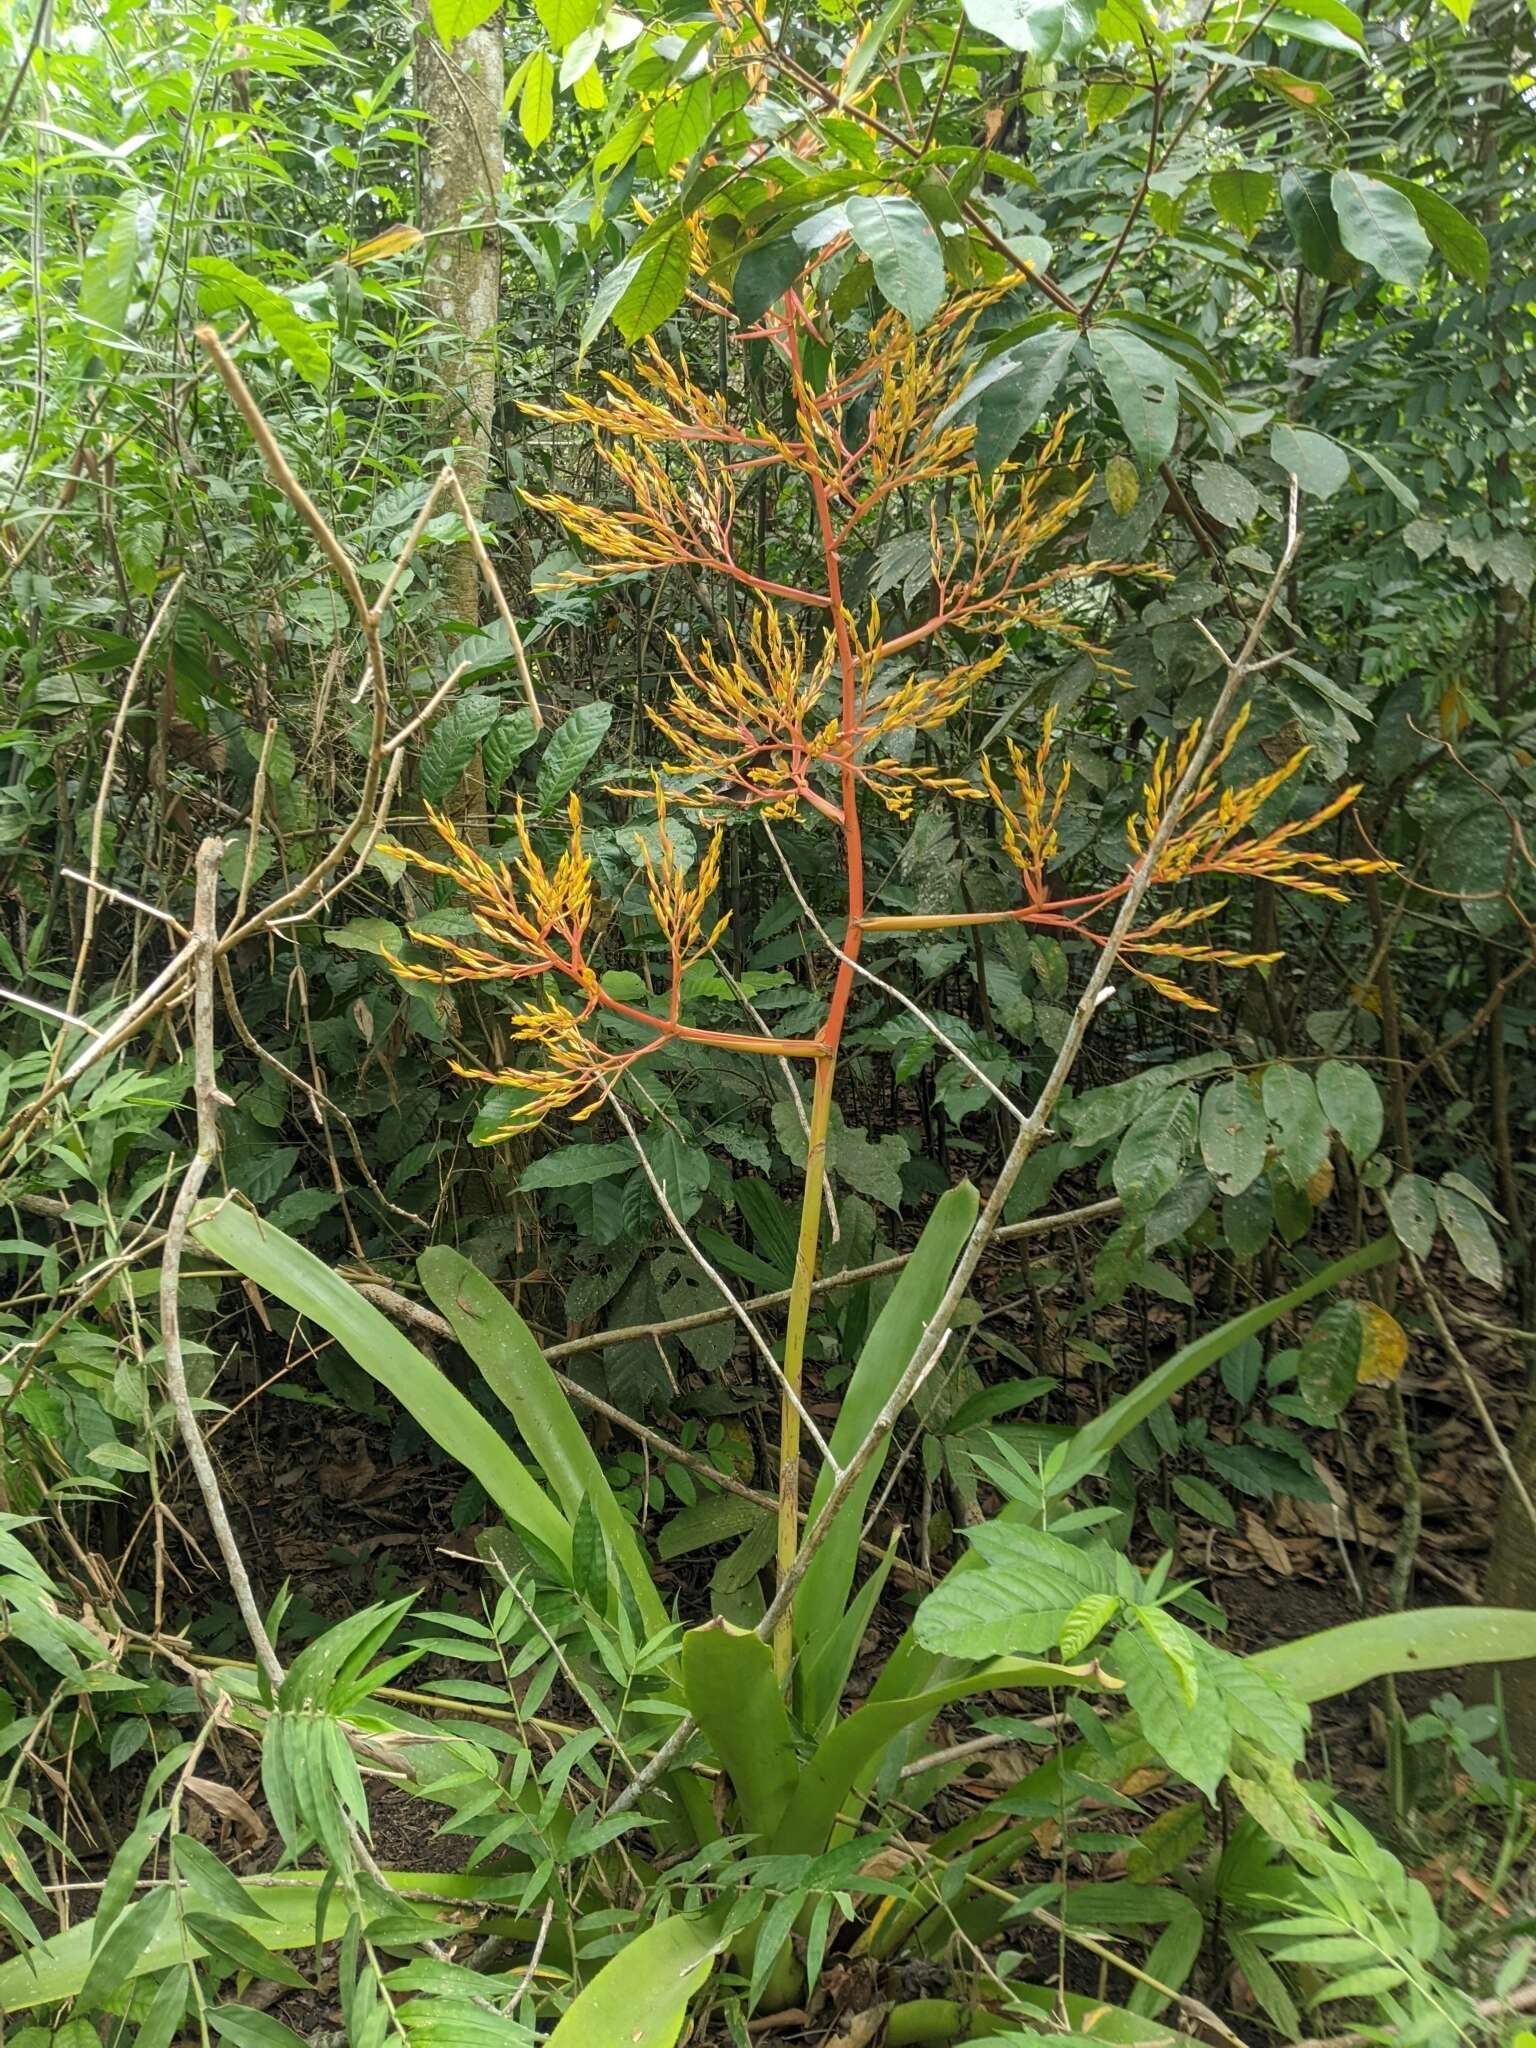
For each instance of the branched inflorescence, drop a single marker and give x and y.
(1213, 837)
(803, 706)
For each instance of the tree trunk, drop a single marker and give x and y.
(459, 89)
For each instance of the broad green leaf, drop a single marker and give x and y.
(589, 1556)
(1018, 388)
(1307, 201)
(656, 290)
(1467, 1228)
(1461, 243)
(1351, 1101)
(1100, 1112)
(454, 19)
(564, 20)
(733, 1694)
(305, 344)
(898, 238)
(1317, 1667)
(112, 264)
(640, 1997)
(1335, 14)
(1234, 1133)
(450, 747)
(1317, 462)
(1143, 387)
(516, 1371)
(1225, 493)
(764, 274)
(568, 750)
(1088, 1618)
(1242, 198)
(1411, 1206)
(504, 746)
(1043, 29)
(1296, 1116)
(1328, 1363)
(1152, 1153)
(1105, 100)
(1019, 1601)
(1380, 226)
(608, 294)
(681, 122)
(536, 103)
(1193, 1735)
(576, 1166)
(1166, 1842)
(274, 1262)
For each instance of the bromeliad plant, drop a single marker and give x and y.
(755, 1848)
(812, 708)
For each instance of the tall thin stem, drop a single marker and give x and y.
(801, 1290)
(830, 1035)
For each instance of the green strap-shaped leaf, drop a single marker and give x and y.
(1335, 1660)
(265, 1255)
(280, 1916)
(848, 1759)
(823, 1594)
(733, 1694)
(516, 1371)
(639, 1999)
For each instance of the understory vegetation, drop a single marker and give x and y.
(766, 940)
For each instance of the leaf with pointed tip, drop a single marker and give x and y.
(899, 239)
(1380, 226)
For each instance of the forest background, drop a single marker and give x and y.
(766, 923)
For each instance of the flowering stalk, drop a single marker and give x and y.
(786, 718)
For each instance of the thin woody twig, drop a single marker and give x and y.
(206, 1098)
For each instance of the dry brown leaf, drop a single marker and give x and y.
(863, 2028)
(1268, 1545)
(231, 1806)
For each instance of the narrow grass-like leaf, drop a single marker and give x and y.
(307, 1284)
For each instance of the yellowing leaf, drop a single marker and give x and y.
(1454, 715)
(454, 19)
(536, 108)
(1320, 1186)
(1122, 486)
(393, 242)
(1383, 1345)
